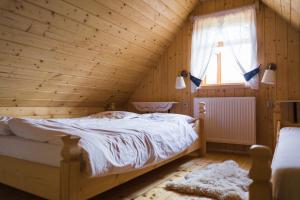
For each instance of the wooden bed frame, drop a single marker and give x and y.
(260, 172)
(69, 182)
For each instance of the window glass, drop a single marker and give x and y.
(211, 74)
(223, 68)
(229, 68)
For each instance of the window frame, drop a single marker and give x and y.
(219, 74)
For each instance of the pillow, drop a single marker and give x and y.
(115, 115)
(169, 117)
(36, 129)
(4, 128)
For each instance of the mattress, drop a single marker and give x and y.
(286, 165)
(38, 152)
(43, 153)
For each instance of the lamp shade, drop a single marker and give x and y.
(269, 77)
(180, 84)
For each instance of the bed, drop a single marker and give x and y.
(278, 177)
(61, 171)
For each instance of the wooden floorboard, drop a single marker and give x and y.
(151, 185)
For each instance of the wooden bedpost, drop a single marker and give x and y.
(276, 122)
(202, 133)
(260, 173)
(70, 168)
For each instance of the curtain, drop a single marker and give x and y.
(237, 30)
(203, 44)
(239, 34)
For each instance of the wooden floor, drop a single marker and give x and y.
(149, 186)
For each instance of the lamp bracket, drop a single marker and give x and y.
(272, 66)
(184, 73)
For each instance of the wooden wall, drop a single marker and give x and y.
(288, 9)
(278, 42)
(49, 112)
(82, 52)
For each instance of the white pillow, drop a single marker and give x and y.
(35, 129)
(4, 128)
(168, 117)
(115, 115)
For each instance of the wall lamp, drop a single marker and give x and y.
(269, 74)
(180, 83)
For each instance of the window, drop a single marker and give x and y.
(224, 49)
(222, 68)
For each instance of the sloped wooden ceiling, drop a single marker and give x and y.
(278, 42)
(288, 9)
(82, 52)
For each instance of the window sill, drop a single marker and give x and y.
(224, 86)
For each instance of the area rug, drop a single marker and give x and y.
(221, 181)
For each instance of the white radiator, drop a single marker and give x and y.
(229, 119)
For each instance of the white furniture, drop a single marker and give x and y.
(286, 165)
(154, 106)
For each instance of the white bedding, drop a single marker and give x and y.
(30, 150)
(113, 146)
(286, 165)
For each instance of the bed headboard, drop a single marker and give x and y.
(49, 112)
(286, 113)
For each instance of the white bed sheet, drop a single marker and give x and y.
(43, 153)
(286, 165)
(113, 146)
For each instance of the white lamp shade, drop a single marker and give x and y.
(269, 77)
(180, 84)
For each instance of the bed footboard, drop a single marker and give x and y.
(260, 173)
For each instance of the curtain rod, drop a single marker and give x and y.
(222, 12)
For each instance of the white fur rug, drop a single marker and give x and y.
(222, 181)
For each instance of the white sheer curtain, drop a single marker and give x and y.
(239, 33)
(237, 30)
(204, 35)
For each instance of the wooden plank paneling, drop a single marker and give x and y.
(293, 64)
(278, 42)
(82, 52)
(288, 9)
(49, 112)
(271, 43)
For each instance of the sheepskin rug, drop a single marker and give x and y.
(222, 181)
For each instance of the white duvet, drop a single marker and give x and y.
(114, 146)
(286, 165)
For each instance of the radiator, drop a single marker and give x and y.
(229, 120)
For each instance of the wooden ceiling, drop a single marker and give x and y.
(82, 52)
(288, 9)
(88, 52)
